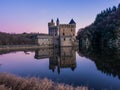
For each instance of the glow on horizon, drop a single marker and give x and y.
(18, 16)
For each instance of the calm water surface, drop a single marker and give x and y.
(65, 65)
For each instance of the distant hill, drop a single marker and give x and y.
(104, 31)
(17, 39)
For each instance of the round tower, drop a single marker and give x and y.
(51, 24)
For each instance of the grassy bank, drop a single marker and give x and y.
(13, 82)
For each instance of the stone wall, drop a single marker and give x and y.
(67, 30)
(67, 34)
(45, 40)
(53, 31)
(66, 41)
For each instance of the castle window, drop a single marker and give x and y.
(63, 34)
(64, 39)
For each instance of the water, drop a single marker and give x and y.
(66, 65)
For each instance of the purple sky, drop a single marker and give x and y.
(18, 16)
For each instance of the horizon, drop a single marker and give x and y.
(32, 16)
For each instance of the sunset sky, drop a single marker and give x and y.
(18, 16)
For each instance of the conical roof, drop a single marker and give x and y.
(72, 22)
(57, 19)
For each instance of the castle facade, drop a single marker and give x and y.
(59, 34)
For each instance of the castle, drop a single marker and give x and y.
(59, 34)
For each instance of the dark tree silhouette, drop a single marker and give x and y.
(105, 29)
(17, 39)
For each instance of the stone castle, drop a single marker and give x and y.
(59, 34)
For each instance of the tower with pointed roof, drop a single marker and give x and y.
(57, 22)
(67, 33)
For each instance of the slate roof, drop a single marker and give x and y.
(72, 22)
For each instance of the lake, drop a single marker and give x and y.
(74, 66)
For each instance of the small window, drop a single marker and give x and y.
(63, 34)
(64, 39)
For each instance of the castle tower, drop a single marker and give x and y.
(73, 27)
(52, 28)
(51, 24)
(67, 33)
(57, 22)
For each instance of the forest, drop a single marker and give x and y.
(104, 31)
(17, 39)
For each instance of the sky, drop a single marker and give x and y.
(18, 16)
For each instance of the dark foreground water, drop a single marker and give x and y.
(90, 68)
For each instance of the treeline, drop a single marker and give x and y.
(17, 39)
(105, 31)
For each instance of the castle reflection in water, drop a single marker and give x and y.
(64, 57)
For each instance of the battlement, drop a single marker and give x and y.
(51, 24)
(67, 25)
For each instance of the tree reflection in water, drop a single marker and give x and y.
(106, 60)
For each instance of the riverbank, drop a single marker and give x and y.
(12, 82)
(21, 47)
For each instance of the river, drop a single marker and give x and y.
(94, 69)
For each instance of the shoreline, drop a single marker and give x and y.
(27, 47)
(21, 47)
(13, 82)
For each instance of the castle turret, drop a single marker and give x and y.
(51, 24)
(57, 22)
(53, 30)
